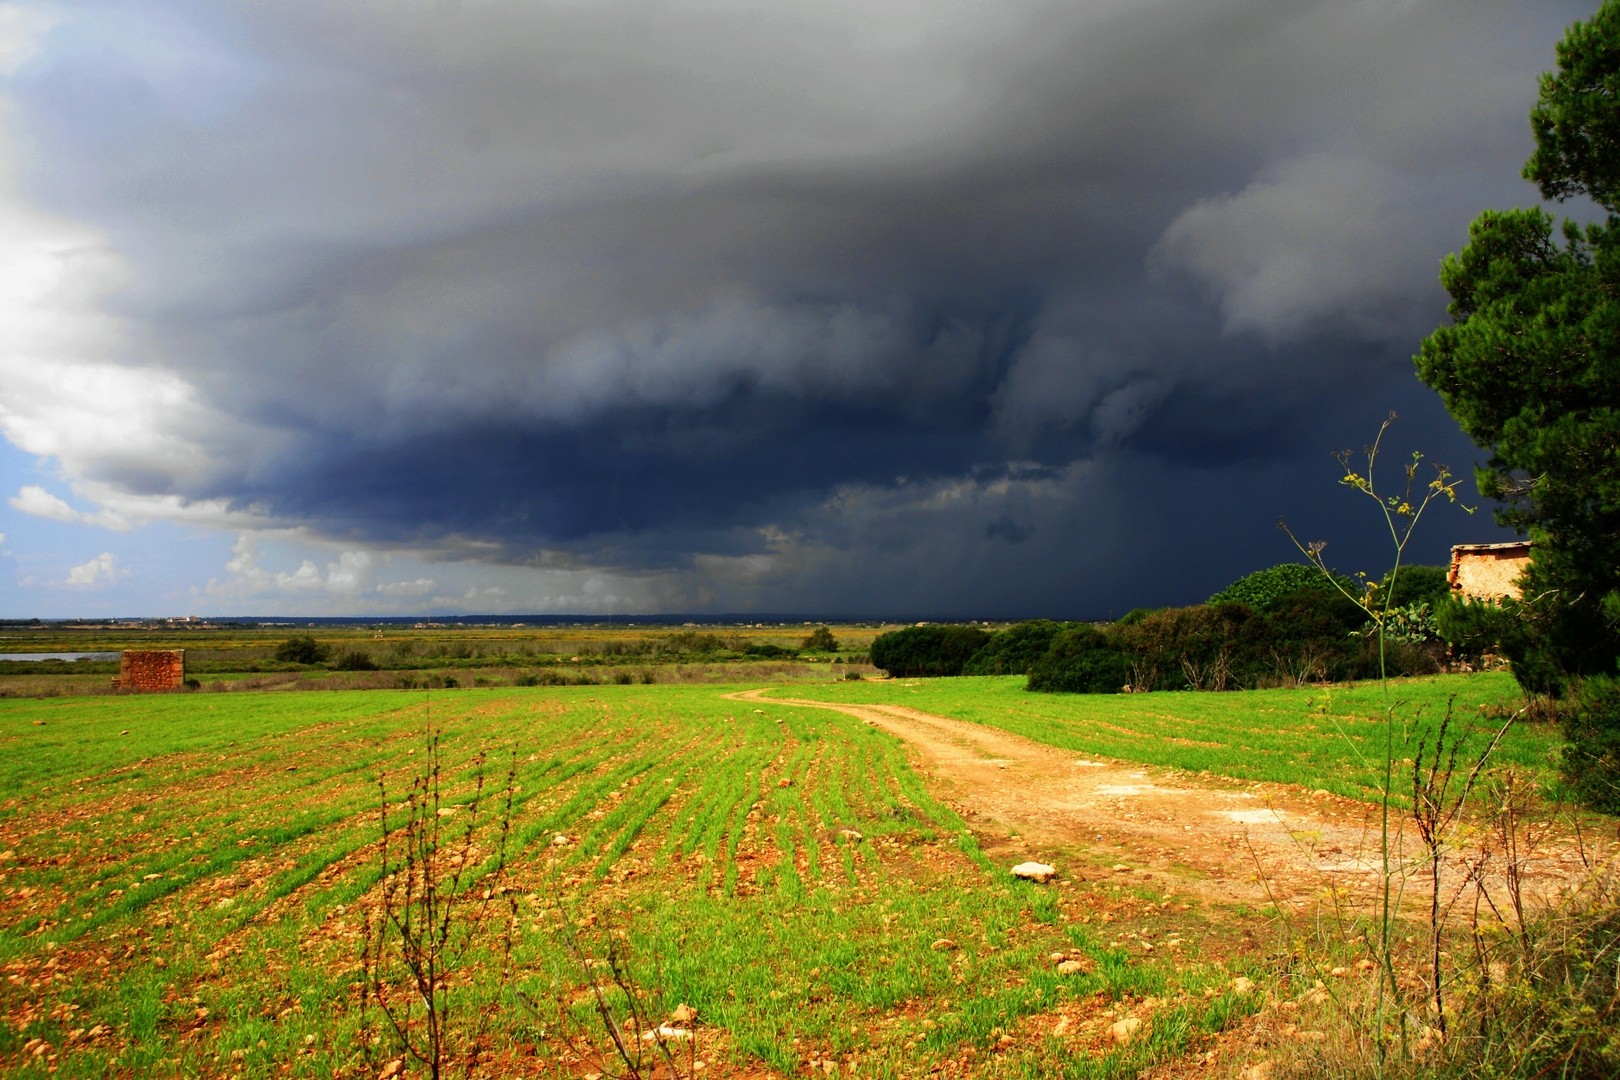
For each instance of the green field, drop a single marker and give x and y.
(1328, 737)
(185, 879)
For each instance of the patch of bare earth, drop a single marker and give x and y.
(1227, 841)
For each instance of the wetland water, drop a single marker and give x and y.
(26, 656)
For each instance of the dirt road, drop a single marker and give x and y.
(1227, 840)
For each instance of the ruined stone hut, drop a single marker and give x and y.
(1487, 571)
(151, 669)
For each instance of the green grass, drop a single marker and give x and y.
(1329, 737)
(189, 874)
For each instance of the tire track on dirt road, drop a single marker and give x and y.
(1225, 840)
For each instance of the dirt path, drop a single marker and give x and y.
(1226, 840)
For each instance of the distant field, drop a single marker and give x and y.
(1319, 737)
(183, 879)
(237, 658)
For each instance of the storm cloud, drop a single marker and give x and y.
(1024, 307)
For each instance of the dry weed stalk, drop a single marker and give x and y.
(628, 1047)
(437, 887)
(1435, 812)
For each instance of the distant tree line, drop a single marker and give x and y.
(1279, 627)
(682, 646)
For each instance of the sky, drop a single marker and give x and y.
(950, 309)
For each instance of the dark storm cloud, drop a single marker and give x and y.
(822, 287)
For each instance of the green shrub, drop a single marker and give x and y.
(1265, 587)
(1591, 760)
(1015, 650)
(302, 650)
(820, 640)
(1311, 634)
(355, 660)
(770, 652)
(1081, 660)
(1417, 585)
(927, 650)
(690, 641)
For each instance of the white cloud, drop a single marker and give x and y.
(97, 569)
(31, 499)
(348, 575)
(419, 587)
(307, 576)
(21, 28)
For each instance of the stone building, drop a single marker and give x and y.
(1487, 571)
(151, 669)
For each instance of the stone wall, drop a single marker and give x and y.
(151, 669)
(1487, 571)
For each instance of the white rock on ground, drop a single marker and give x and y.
(1034, 871)
(1125, 1030)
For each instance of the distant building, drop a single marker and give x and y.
(1487, 571)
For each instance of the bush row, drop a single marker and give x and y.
(1278, 627)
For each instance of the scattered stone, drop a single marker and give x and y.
(1365, 965)
(683, 1014)
(1242, 986)
(39, 723)
(560, 840)
(1034, 871)
(850, 834)
(760, 711)
(1339, 972)
(943, 944)
(1125, 1030)
(664, 1031)
(784, 782)
(392, 1069)
(1262, 1071)
(1070, 967)
(446, 811)
(1121, 868)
